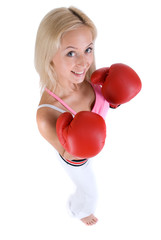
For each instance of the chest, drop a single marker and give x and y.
(82, 101)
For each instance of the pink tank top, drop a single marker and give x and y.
(100, 107)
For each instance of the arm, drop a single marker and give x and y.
(120, 83)
(46, 121)
(82, 135)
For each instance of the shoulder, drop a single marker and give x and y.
(45, 119)
(45, 115)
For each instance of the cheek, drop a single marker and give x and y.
(90, 59)
(61, 66)
(67, 63)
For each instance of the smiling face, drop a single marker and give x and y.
(74, 57)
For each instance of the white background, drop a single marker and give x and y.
(33, 186)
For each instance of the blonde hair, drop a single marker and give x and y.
(50, 31)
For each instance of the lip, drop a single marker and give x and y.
(78, 73)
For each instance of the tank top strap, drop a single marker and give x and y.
(60, 100)
(51, 106)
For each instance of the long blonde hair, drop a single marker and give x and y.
(50, 31)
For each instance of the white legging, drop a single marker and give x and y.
(83, 202)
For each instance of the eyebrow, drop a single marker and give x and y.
(76, 48)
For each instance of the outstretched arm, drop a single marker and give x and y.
(120, 83)
(46, 121)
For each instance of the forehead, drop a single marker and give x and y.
(80, 37)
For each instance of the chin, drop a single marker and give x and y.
(80, 81)
(77, 81)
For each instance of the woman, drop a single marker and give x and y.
(64, 59)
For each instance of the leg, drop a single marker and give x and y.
(82, 203)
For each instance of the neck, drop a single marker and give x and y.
(67, 90)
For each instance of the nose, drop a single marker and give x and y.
(81, 60)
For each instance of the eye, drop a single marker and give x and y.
(71, 54)
(89, 50)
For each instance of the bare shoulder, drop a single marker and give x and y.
(46, 120)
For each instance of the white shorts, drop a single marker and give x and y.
(83, 202)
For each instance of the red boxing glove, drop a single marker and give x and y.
(82, 136)
(120, 83)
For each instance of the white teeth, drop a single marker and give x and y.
(79, 72)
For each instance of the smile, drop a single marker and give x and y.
(78, 73)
